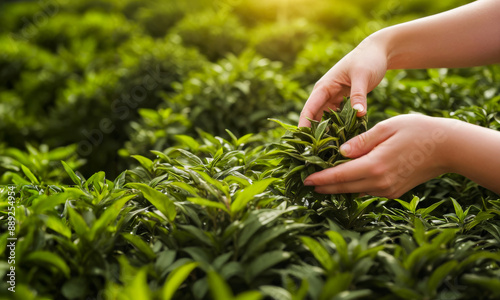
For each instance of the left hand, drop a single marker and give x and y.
(391, 158)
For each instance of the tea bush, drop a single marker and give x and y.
(238, 85)
(214, 33)
(316, 59)
(214, 220)
(140, 162)
(284, 41)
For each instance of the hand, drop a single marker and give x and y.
(355, 75)
(391, 158)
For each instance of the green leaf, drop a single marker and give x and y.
(458, 210)
(483, 282)
(265, 261)
(318, 134)
(218, 287)
(58, 226)
(267, 236)
(44, 202)
(255, 221)
(72, 174)
(30, 175)
(198, 233)
(109, 215)
(138, 288)
(477, 257)
(208, 203)
(186, 187)
(361, 207)
(49, 259)
(77, 222)
(275, 292)
(393, 266)
(237, 179)
(249, 295)
(405, 204)
(352, 295)
(247, 194)
(193, 159)
(341, 244)
(413, 204)
(144, 161)
(244, 139)
(161, 201)
(187, 140)
(75, 288)
(440, 274)
(426, 211)
(419, 232)
(140, 244)
(286, 126)
(405, 293)
(336, 284)
(316, 160)
(176, 278)
(320, 253)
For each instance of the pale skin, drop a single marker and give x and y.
(390, 158)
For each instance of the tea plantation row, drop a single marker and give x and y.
(138, 160)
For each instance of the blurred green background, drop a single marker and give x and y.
(94, 81)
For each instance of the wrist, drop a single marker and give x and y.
(450, 144)
(383, 40)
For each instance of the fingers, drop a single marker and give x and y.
(359, 87)
(318, 101)
(365, 142)
(313, 106)
(347, 172)
(376, 185)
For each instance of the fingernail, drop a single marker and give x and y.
(345, 149)
(308, 182)
(359, 107)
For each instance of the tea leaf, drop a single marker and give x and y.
(140, 245)
(49, 259)
(72, 174)
(440, 274)
(208, 203)
(218, 287)
(161, 201)
(175, 279)
(30, 175)
(320, 253)
(247, 194)
(144, 161)
(264, 261)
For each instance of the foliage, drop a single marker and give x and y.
(217, 209)
(239, 85)
(316, 59)
(211, 219)
(283, 41)
(307, 150)
(214, 33)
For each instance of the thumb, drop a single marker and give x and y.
(359, 86)
(365, 142)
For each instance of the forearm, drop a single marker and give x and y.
(463, 37)
(474, 152)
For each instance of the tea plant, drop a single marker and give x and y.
(217, 209)
(306, 150)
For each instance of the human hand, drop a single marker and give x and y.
(355, 75)
(391, 158)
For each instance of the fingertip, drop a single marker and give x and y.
(345, 149)
(308, 182)
(360, 108)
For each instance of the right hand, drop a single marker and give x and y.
(358, 73)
